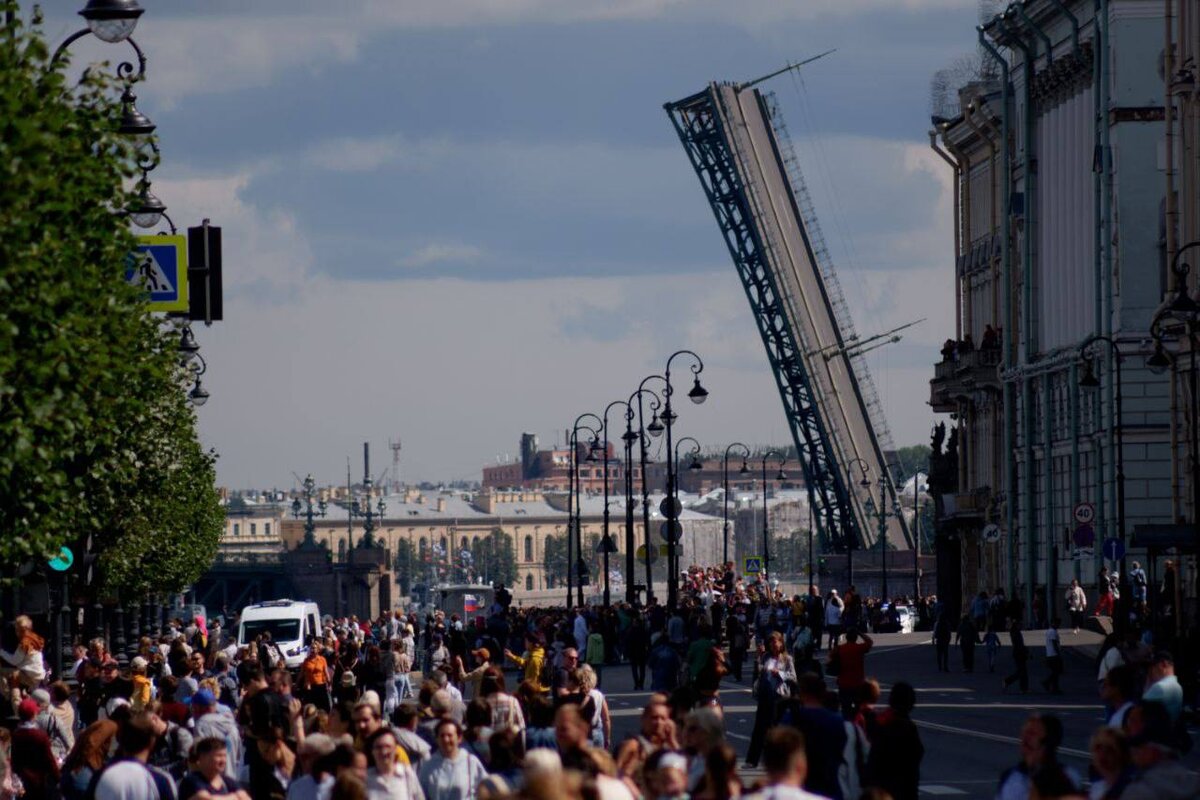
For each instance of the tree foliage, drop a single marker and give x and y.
(404, 565)
(97, 440)
(496, 558)
(910, 460)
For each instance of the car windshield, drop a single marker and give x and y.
(281, 630)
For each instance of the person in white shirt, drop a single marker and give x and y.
(451, 773)
(1054, 659)
(787, 766)
(833, 617)
(1076, 604)
(388, 779)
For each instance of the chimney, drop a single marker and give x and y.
(529, 446)
(485, 501)
(441, 504)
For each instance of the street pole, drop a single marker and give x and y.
(573, 448)
(864, 468)
(767, 516)
(883, 536)
(630, 593)
(725, 496)
(578, 565)
(811, 533)
(697, 395)
(916, 537)
(607, 542)
(654, 406)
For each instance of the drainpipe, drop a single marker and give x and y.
(1029, 485)
(1099, 167)
(1172, 215)
(964, 171)
(1106, 132)
(1041, 34)
(1074, 25)
(1007, 340)
(1073, 388)
(1048, 488)
(957, 167)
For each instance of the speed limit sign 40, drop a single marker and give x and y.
(1084, 513)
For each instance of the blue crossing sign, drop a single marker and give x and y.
(752, 565)
(159, 263)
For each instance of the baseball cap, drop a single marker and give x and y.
(482, 654)
(41, 696)
(203, 697)
(28, 709)
(137, 662)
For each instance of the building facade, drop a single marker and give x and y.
(1056, 152)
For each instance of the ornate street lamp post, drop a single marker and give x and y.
(607, 545)
(698, 394)
(310, 528)
(655, 429)
(865, 483)
(725, 497)
(766, 515)
(575, 518)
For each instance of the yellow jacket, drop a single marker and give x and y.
(532, 664)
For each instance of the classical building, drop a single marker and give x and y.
(253, 529)
(550, 470)
(1056, 148)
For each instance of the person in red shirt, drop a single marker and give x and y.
(852, 658)
(32, 759)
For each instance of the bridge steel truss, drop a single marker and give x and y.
(702, 121)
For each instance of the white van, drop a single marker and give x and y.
(290, 623)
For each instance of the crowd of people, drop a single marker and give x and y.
(511, 704)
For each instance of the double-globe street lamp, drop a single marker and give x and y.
(671, 506)
(881, 516)
(654, 429)
(781, 476)
(725, 495)
(1181, 315)
(574, 502)
(310, 527)
(607, 545)
(673, 533)
(629, 437)
(865, 483)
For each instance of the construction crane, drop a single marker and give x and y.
(738, 145)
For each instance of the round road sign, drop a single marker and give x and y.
(991, 533)
(63, 561)
(1085, 536)
(668, 504)
(671, 530)
(1084, 513)
(641, 554)
(1114, 549)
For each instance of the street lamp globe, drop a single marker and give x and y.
(188, 346)
(782, 476)
(655, 428)
(745, 470)
(198, 394)
(1159, 361)
(695, 464)
(112, 20)
(147, 210)
(296, 507)
(698, 394)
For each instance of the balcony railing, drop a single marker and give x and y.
(958, 378)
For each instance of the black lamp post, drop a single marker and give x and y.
(866, 484)
(607, 545)
(629, 437)
(674, 532)
(697, 394)
(655, 429)
(575, 520)
(362, 508)
(310, 528)
(1090, 381)
(1181, 315)
(725, 498)
(766, 514)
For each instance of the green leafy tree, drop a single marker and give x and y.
(910, 460)
(496, 558)
(96, 439)
(555, 560)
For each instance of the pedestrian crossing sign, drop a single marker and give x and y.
(752, 565)
(159, 263)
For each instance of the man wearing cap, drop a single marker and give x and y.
(1162, 686)
(32, 759)
(470, 680)
(1153, 748)
(211, 720)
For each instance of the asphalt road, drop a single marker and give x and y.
(968, 726)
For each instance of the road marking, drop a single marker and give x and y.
(994, 737)
(935, 788)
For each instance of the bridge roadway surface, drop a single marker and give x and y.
(968, 726)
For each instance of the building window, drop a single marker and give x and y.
(529, 583)
(253, 528)
(341, 549)
(529, 550)
(421, 545)
(237, 529)
(266, 529)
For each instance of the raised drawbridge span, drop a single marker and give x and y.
(737, 143)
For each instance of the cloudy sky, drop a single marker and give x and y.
(451, 221)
